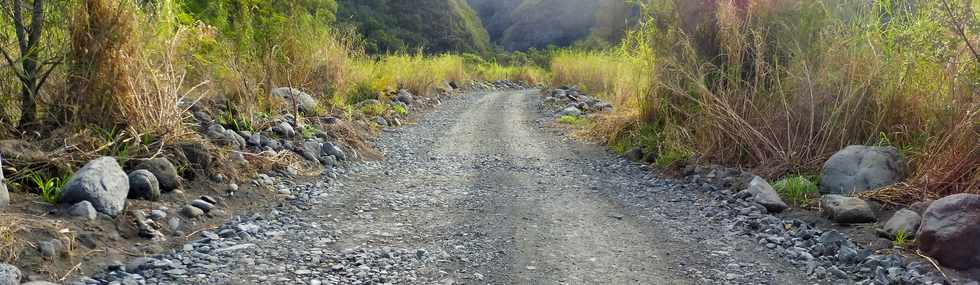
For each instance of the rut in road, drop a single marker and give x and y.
(481, 192)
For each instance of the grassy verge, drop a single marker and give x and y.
(780, 86)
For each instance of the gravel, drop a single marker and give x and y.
(484, 191)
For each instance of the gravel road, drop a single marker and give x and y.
(480, 191)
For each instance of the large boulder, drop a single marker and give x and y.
(163, 170)
(311, 150)
(847, 210)
(226, 137)
(859, 168)
(905, 221)
(101, 182)
(330, 148)
(9, 274)
(143, 185)
(284, 129)
(763, 193)
(303, 101)
(197, 156)
(405, 97)
(950, 232)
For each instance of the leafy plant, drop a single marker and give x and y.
(798, 190)
(374, 109)
(50, 187)
(309, 131)
(901, 238)
(400, 109)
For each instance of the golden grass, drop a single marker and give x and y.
(103, 43)
(782, 87)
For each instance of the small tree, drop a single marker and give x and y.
(32, 72)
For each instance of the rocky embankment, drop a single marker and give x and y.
(819, 242)
(110, 209)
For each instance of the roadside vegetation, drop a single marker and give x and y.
(87, 78)
(779, 86)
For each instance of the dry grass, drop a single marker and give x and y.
(103, 47)
(782, 86)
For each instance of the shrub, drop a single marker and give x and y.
(781, 85)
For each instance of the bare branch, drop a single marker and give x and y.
(958, 28)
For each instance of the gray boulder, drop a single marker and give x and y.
(634, 154)
(9, 274)
(101, 182)
(305, 102)
(272, 143)
(235, 140)
(311, 150)
(950, 232)
(143, 185)
(904, 220)
(84, 210)
(191, 211)
(284, 130)
(859, 168)
(847, 210)
(330, 148)
(570, 111)
(405, 97)
(225, 137)
(163, 170)
(761, 192)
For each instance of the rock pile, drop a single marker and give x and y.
(573, 102)
(826, 255)
(497, 85)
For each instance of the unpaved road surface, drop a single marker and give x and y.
(480, 191)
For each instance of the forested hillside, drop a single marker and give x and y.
(524, 24)
(432, 25)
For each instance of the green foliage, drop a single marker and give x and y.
(50, 188)
(901, 239)
(670, 156)
(406, 26)
(374, 109)
(569, 120)
(400, 109)
(115, 141)
(237, 123)
(309, 131)
(258, 25)
(798, 190)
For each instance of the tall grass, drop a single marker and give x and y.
(782, 85)
(527, 73)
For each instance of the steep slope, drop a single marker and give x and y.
(523, 24)
(432, 25)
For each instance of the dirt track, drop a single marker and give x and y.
(481, 192)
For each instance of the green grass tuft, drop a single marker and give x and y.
(798, 190)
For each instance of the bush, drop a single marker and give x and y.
(782, 85)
